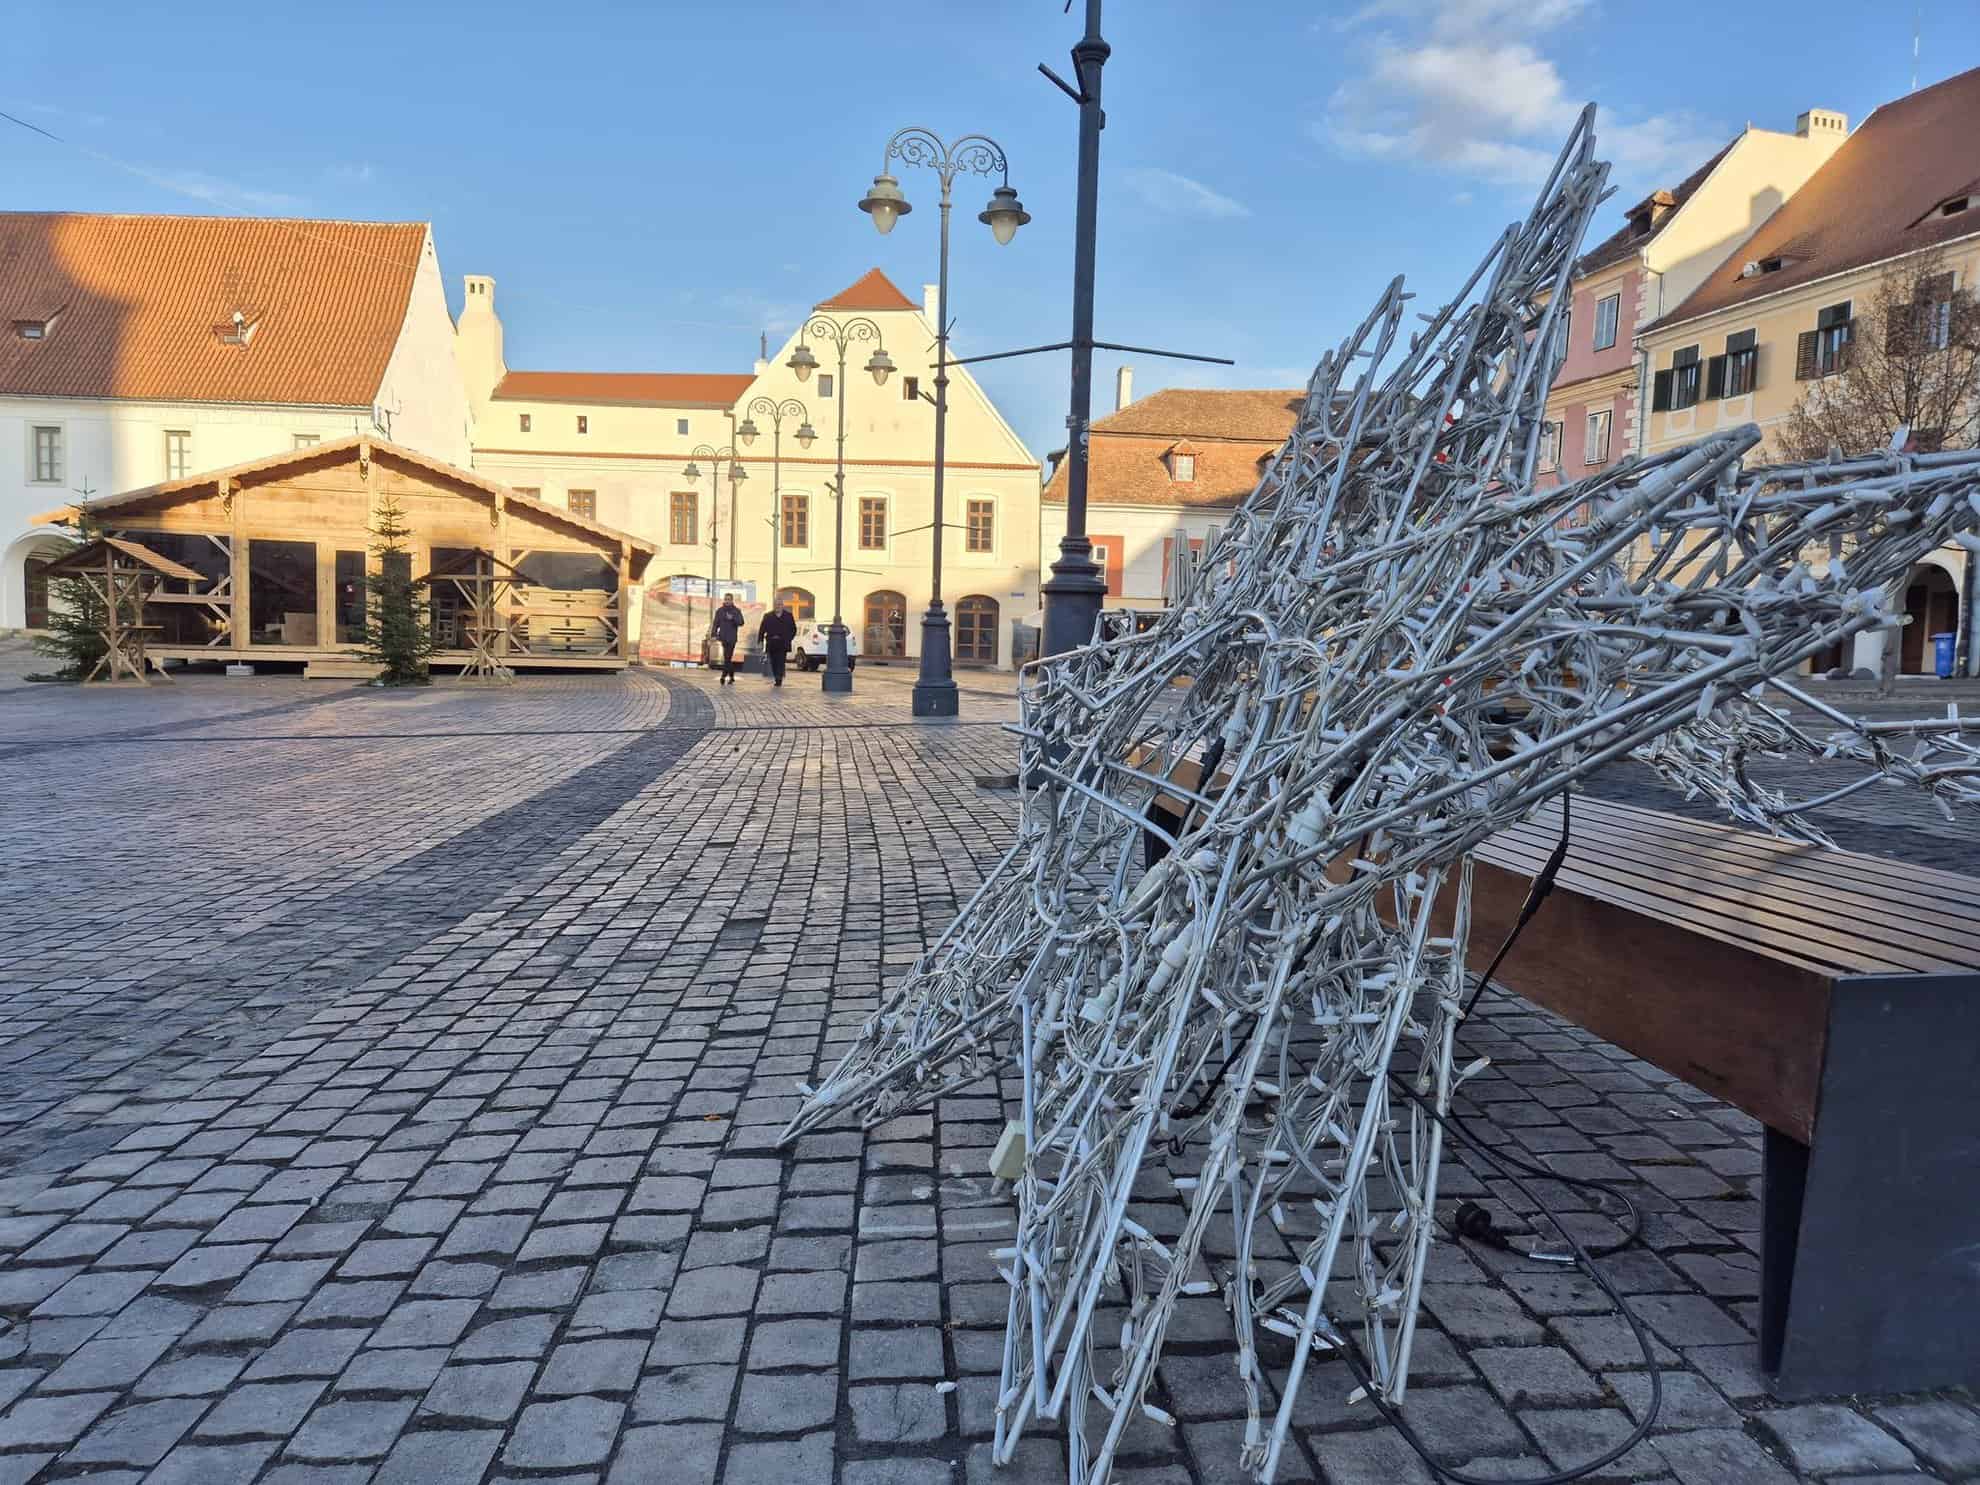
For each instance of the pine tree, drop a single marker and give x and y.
(398, 634)
(75, 613)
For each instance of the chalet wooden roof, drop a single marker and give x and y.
(344, 450)
(89, 557)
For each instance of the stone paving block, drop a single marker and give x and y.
(425, 1322)
(1572, 1436)
(96, 1293)
(1688, 1402)
(103, 1364)
(898, 1413)
(425, 1457)
(212, 1464)
(349, 1430)
(404, 1369)
(139, 1436)
(786, 1403)
(603, 1366)
(685, 1393)
(777, 1463)
(1535, 1374)
(1719, 1456)
(56, 1422)
(1945, 1434)
(1480, 1314)
(195, 1376)
(523, 1336)
(712, 1291)
(687, 1342)
(941, 1472)
(878, 1354)
(795, 1343)
(269, 1410)
(307, 1353)
(568, 1434)
(1826, 1439)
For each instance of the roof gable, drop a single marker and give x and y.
(1227, 435)
(872, 290)
(137, 300)
(1625, 241)
(1873, 199)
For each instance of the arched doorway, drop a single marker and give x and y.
(23, 581)
(1931, 606)
(803, 607)
(976, 630)
(886, 626)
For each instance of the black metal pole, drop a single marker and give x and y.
(935, 687)
(1074, 592)
(838, 673)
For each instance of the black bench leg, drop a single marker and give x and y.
(1871, 1245)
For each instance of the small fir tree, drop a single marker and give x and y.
(75, 613)
(398, 633)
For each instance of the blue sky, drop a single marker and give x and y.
(652, 184)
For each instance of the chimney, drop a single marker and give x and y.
(1123, 387)
(1819, 122)
(931, 304)
(762, 352)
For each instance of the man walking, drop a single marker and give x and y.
(777, 633)
(726, 628)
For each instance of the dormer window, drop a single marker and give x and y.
(237, 331)
(1954, 206)
(1181, 459)
(31, 329)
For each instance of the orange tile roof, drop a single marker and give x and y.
(1231, 434)
(135, 301)
(644, 388)
(1873, 199)
(873, 290)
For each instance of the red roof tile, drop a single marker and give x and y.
(642, 388)
(874, 290)
(135, 301)
(1228, 433)
(1873, 199)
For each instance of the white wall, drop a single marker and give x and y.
(1142, 529)
(421, 399)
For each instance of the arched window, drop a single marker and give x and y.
(976, 630)
(803, 607)
(886, 626)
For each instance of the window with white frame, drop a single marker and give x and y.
(1595, 443)
(307, 440)
(1182, 468)
(1550, 446)
(1607, 313)
(47, 447)
(178, 453)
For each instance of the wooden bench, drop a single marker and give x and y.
(1835, 998)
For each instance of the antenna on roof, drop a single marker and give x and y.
(1917, 25)
(763, 345)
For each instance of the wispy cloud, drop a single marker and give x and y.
(210, 189)
(1467, 87)
(359, 173)
(1167, 191)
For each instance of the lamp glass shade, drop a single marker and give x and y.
(806, 436)
(692, 472)
(882, 366)
(803, 363)
(737, 474)
(746, 431)
(884, 203)
(1004, 215)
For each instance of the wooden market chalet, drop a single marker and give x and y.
(266, 562)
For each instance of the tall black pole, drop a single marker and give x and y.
(838, 672)
(935, 686)
(1072, 596)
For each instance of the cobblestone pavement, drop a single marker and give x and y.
(393, 1085)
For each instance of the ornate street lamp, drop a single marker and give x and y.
(935, 687)
(737, 474)
(841, 335)
(778, 413)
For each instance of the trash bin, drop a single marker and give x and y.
(1942, 654)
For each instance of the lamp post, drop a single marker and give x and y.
(806, 435)
(841, 335)
(737, 474)
(935, 686)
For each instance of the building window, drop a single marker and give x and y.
(1550, 446)
(681, 518)
(976, 630)
(306, 440)
(522, 421)
(1182, 468)
(534, 492)
(1685, 378)
(797, 521)
(1103, 558)
(31, 330)
(824, 384)
(910, 388)
(886, 626)
(583, 503)
(1824, 351)
(1607, 312)
(872, 522)
(803, 607)
(47, 456)
(1736, 372)
(681, 426)
(178, 453)
(1595, 444)
(584, 423)
(979, 526)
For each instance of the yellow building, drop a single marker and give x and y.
(1779, 315)
(618, 446)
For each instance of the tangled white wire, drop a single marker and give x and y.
(1400, 646)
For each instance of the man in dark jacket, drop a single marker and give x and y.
(727, 627)
(777, 633)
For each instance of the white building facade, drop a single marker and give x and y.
(136, 350)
